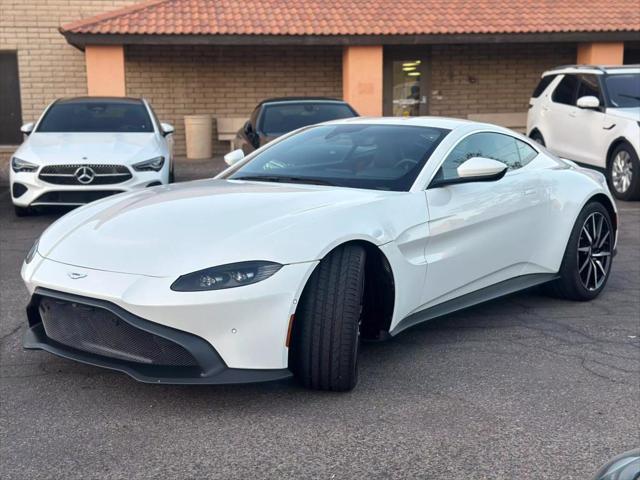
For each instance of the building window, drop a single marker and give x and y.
(10, 108)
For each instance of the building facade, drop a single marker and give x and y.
(220, 58)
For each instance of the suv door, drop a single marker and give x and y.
(482, 233)
(558, 114)
(583, 133)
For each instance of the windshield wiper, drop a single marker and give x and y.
(635, 97)
(279, 179)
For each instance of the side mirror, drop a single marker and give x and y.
(588, 102)
(167, 129)
(234, 157)
(27, 128)
(482, 169)
(476, 169)
(247, 128)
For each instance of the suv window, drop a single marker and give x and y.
(565, 92)
(624, 90)
(504, 148)
(542, 85)
(589, 86)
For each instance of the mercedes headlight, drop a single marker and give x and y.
(226, 276)
(32, 252)
(153, 165)
(18, 165)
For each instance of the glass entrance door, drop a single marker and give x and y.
(405, 85)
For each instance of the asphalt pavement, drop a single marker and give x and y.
(525, 387)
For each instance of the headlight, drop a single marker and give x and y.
(32, 252)
(225, 276)
(153, 165)
(19, 165)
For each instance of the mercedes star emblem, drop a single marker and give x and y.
(85, 175)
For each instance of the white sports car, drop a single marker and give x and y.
(86, 148)
(352, 229)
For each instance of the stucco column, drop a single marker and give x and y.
(105, 70)
(362, 79)
(603, 53)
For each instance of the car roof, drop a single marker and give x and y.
(300, 99)
(593, 69)
(87, 99)
(434, 122)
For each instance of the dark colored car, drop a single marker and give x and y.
(276, 116)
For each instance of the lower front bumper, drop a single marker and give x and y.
(208, 367)
(27, 190)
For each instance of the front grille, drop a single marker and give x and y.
(73, 197)
(98, 331)
(84, 174)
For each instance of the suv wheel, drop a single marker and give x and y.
(623, 173)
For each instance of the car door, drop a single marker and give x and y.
(583, 134)
(482, 233)
(559, 114)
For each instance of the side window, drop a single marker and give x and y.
(589, 86)
(565, 92)
(542, 85)
(504, 148)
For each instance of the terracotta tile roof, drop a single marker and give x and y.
(363, 17)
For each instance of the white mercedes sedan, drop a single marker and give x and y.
(348, 230)
(86, 148)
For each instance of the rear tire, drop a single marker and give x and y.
(623, 173)
(325, 335)
(22, 211)
(587, 259)
(172, 176)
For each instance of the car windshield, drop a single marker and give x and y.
(278, 119)
(381, 157)
(96, 117)
(624, 90)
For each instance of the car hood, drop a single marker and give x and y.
(127, 148)
(179, 228)
(627, 113)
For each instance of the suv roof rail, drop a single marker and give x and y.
(578, 67)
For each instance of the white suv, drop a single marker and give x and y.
(591, 115)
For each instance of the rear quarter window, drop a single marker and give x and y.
(542, 85)
(565, 91)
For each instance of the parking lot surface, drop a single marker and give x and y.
(526, 387)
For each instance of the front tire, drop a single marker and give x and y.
(326, 329)
(587, 260)
(623, 173)
(22, 211)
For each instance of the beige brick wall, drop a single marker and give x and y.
(227, 81)
(496, 78)
(48, 66)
